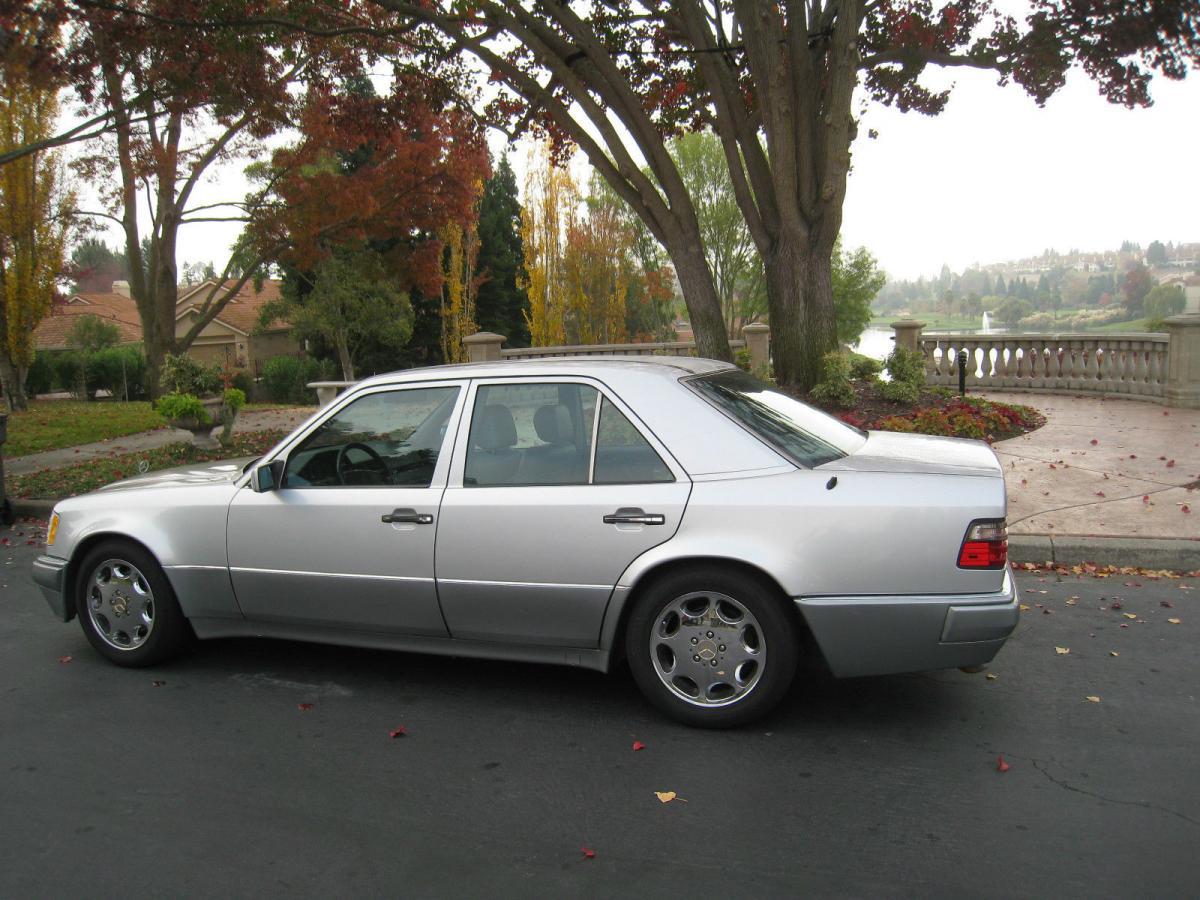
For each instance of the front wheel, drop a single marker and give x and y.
(126, 606)
(711, 647)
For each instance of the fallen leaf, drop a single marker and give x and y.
(638, 745)
(1047, 612)
(1094, 442)
(64, 659)
(157, 683)
(991, 676)
(1174, 621)
(1116, 604)
(304, 707)
(1001, 765)
(1167, 604)
(1145, 498)
(1062, 651)
(1185, 508)
(668, 796)
(1092, 698)
(1113, 653)
(1099, 493)
(1133, 456)
(1129, 615)
(587, 853)
(1024, 608)
(398, 731)
(1170, 463)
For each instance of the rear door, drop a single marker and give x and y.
(555, 490)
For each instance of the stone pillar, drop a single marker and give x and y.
(484, 346)
(908, 333)
(758, 342)
(1183, 361)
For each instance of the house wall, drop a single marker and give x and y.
(265, 346)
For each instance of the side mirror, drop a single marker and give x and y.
(267, 477)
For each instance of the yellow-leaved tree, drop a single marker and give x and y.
(35, 216)
(460, 288)
(551, 206)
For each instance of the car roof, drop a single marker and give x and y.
(672, 367)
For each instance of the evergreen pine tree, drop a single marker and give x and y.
(501, 305)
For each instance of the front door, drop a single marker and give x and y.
(554, 493)
(347, 539)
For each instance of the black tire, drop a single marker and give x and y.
(167, 635)
(650, 627)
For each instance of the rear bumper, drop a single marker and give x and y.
(887, 635)
(49, 573)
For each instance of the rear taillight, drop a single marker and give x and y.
(985, 545)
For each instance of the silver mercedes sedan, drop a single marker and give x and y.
(674, 513)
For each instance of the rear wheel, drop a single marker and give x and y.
(126, 606)
(712, 647)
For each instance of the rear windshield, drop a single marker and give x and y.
(805, 435)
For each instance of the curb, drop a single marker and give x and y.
(1178, 554)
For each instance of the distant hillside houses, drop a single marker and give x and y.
(230, 340)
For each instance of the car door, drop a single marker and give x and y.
(346, 539)
(552, 494)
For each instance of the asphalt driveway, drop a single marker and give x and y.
(214, 776)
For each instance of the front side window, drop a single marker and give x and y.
(803, 434)
(392, 438)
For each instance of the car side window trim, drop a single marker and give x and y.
(604, 393)
(442, 468)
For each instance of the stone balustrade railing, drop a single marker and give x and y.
(1160, 367)
(1134, 364)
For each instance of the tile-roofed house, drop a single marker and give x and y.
(228, 340)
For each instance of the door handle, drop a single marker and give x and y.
(632, 515)
(406, 515)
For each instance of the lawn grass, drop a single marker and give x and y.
(53, 424)
(84, 477)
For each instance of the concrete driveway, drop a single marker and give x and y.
(207, 777)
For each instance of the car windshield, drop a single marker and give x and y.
(803, 434)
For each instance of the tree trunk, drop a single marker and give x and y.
(343, 352)
(700, 296)
(800, 300)
(14, 384)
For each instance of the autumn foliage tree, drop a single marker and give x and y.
(776, 82)
(35, 218)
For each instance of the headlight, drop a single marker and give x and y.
(52, 531)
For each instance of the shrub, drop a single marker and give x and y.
(183, 375)
(117, 370)
(864, 368)
(907, 366)
(68, 367)
(243, 382)
(40, 377)
(234, 398)
(742, 359)
(898, 391)
(175, 407)
(834, 388)
(286, 378)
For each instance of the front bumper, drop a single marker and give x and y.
(49, 573)
(887, 635)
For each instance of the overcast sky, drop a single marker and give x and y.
(993, 178)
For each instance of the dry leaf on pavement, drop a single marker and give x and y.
(1092, 698)
(1062, 651)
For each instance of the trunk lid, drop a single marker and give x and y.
(887, 451)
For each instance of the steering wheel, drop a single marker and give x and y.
(375, 460)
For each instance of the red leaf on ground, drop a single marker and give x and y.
(1094, 442)
(304, 707)
(1116, 604)
(64, 659)
(398, 731)
(1170, 463)
(1099, 493)
(1001, 765)
(1133, 456)
(1145, 498)
(1053, 466)
(1024, 482)
(587, 852)
(1185, 508)
(638, 745)
(1161, 458)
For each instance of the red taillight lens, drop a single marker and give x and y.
(985, 546)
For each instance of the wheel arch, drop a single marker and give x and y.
(625, 599)
(83, 548)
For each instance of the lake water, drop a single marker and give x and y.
(876, 343)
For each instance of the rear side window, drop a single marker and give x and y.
(623, 456)
(803, 434)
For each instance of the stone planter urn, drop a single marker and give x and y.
(219, 415)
